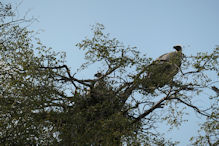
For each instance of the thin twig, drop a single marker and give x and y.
(192, 106)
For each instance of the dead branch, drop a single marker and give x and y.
(192, 106)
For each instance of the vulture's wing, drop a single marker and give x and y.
(162, 57)
(166, 57)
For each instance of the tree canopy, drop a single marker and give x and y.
(43, 102)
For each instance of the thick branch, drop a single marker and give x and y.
(157, 105)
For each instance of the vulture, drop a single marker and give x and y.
(96, 86)
(161, 71)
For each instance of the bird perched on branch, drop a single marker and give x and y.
(95, 86)
(98, 75)
(162, 70)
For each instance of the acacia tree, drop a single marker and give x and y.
(43, 102)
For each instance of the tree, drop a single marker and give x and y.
(42, 102)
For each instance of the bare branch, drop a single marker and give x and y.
(192, 106)
(67, 70)
(157, 105)
(192, 72)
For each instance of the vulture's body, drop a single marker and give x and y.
(162, 70)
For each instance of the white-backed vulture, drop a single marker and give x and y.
(162, 70)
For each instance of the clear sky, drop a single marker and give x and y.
(154, 26)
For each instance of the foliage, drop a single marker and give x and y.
(42, 102)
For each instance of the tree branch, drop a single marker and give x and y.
(71, 79)
(157, 105)
(192, 106)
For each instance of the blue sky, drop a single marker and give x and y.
(153, 26)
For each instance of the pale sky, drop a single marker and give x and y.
(153, 26)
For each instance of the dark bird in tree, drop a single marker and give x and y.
(96, 88)
(96, 83)
(98, 75)
(162, 70)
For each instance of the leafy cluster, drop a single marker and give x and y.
(42, 102)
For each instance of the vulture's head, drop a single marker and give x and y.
(98, 75)
(178, 48)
